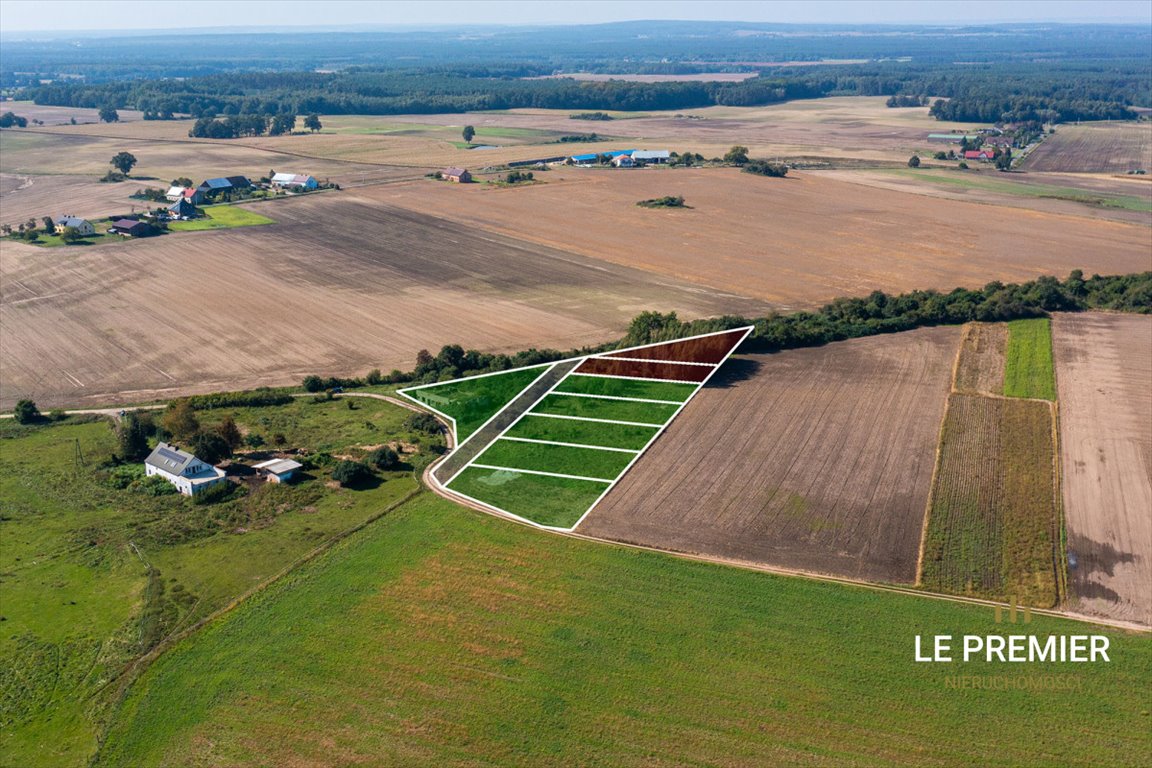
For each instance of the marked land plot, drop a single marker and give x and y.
(469, 403)
(645, 369)
(559, 455)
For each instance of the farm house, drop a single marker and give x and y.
(459, 175)
(191, 194)
(213, 187)
(83, 226)
(980, 154)
(189, 474)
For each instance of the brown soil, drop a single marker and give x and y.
(1097, 148)
(339, 286)
(814, 459)
(708, 349)
(1104, 377)
(644, 369)
(980, 369)
(796, 242)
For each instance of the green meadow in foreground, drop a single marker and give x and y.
(555, 501)
(438, 636)
(471, 402)
(1028, 365)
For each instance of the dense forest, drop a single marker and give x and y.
(1047, 73)
(845, 318)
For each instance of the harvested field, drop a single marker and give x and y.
(993, 526)
(813, 459)
(344, 285)
(980, 368)
(1104, 376)
(797, 242)
(1097, 148)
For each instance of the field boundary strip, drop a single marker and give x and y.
(477, 462)
(455, 430)
(570, 445)
(616, 397)
(631, 378)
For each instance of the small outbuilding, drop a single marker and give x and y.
(189, 474)
(459, 175)
(278, 470)
(83, 226)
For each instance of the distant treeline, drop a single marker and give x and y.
(988, 92)
(844, 318)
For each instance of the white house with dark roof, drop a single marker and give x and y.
(182, 469)
(294, 180)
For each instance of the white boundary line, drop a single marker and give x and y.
(568, 445)
(474, 465)
(589, 418)
(455, 430)
(633, 378)
(617, 397)
(746, 329)
(646, 360)
(611, 483)
(477, 376)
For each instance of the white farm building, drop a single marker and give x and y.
(182, 469)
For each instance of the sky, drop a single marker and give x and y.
(111, 15)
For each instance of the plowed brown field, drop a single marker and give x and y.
(1096, 148)
(1104, 377)
(797, 242)
(338, 285)
(813, 459)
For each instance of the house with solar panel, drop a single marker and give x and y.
(189, 474)
(212, 188)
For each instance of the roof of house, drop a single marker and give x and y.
(651, 154)
(170, 458)
(455, 171)
(976, 154)
(190, 191)
(177, 190)
(70, 221)
(588, 156)
(182, 207)
(239, 181)
(290, 178)
(279, 466)
(220, 183)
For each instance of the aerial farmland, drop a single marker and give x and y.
(663, 393)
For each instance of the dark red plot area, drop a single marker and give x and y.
(645, 369)
(703, 349)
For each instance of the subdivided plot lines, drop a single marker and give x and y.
(570, 431)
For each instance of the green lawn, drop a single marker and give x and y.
(614, 410)
(1006, 184)
(562, 459)
(649, 390)
(221, 217)
(438, 636)
(582, 432)
(556, 501)
(54, 241)
(78, 600)
(1028, 368)
(472, 401)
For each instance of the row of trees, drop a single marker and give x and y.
(250, 124)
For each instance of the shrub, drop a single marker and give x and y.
(374, 377)
(383, 458)
(766, 168)
(257, 398)
(351, 473)
(423, 422)
(154, 486)
(26, 412)
(253, 440)
(215, 493)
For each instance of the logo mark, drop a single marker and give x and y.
(1012, 613)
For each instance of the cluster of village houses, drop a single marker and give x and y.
(182, 202)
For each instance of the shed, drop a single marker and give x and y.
(182, 208)
(130, 228)
(460, 175)
(294, 180)
(590, 158)
(278, 470)
(652, 155)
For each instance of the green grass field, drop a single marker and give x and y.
(614, 410)
(79, 599)
(1028, 368)
(438, 636)
(582, 432)
(1007, 185)
(473, 401)
(555, 501)
(221, 217)
(649, 390)
(564, 460)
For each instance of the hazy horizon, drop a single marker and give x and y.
(74, 17)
